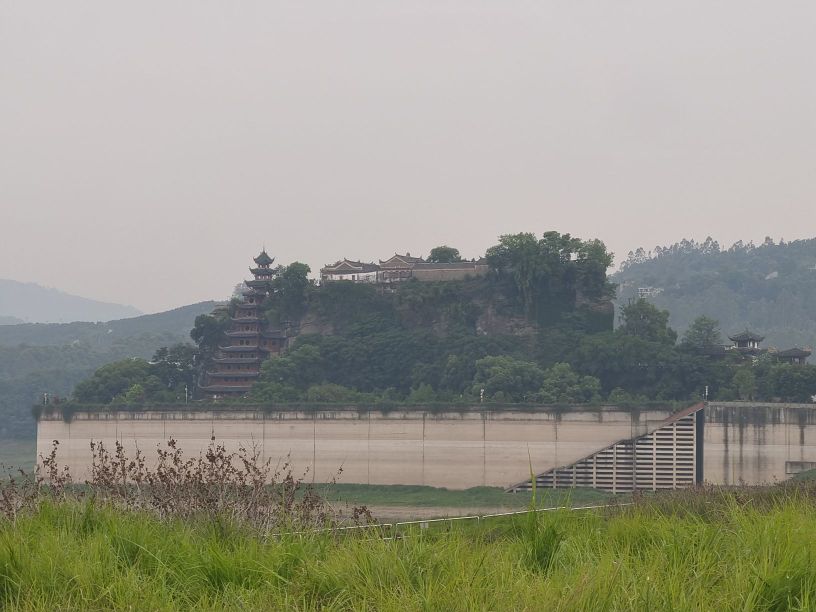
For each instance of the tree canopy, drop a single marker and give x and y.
(444, 254)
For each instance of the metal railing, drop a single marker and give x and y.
(395, 533)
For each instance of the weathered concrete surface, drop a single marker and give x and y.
(754, 443)
(454, 449)
(743, 442)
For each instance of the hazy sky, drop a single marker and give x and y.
(148, 149)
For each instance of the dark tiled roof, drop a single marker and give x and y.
(235, 374)
(264, 259)
(237, 360)
(226, 388)
(459, 265)
(242, 334)
(262, 271)
(347, 266)
(256, 283)
(794, 352)
(237, 349)
(746, 336)
(405, 258)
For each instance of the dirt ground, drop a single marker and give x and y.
(390, 514)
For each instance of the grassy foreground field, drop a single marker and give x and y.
(737, 550)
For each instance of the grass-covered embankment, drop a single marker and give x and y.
(748, 550)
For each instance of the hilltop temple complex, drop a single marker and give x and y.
(249, 340)
(747, 344)
(400, 268)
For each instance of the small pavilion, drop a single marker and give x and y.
(794, 356)
(747, 342)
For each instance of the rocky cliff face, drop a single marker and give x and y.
(474, 306)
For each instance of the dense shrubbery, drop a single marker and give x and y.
(166, 378)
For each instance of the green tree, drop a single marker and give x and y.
(135, 395)
(643, 320)
(332, 393)
(175, 365)
(290, 291)
(423, 394)
(745, 383)
(703, 333)
(549, 274)
(444, 254)
(207, 333)
(112, 380)
(515, 379)
(300, 368)
(791, 383)
(561, 384)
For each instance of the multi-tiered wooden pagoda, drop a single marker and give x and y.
(249, 341)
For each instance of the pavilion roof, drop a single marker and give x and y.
(264, 259)
(794, 352)
(746, 336)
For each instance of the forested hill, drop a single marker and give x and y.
(36, 304)
(174, 324)
(38, 358)
(769, 288)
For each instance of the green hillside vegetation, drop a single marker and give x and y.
(769, 288)
(537, 329)
(53, 358)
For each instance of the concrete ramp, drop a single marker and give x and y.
(668, 457)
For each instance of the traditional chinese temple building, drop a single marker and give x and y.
(794, 356)
(747, 343)
(399, 268)
(249, 340)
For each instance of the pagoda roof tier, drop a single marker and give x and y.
(239, 360)
(263, 271)
(746, 336)
(226, 388)
(794, 352)
(256, 283)
(263, 259)
(251, 292)
(242, 334)
(239, 374)
(245, 319)
(237, 349)
(246, 306)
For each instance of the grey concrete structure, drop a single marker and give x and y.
(455, 448)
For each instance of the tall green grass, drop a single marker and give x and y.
(697, 551)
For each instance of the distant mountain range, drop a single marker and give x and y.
(32, 303)
(768, 288)
(168, 327)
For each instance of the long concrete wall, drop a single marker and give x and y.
(755, 443)
(743, 442)
(455, 449)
